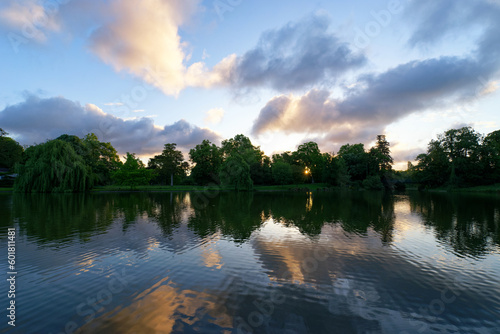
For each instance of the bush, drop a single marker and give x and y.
(373, 183)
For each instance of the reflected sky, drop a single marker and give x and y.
(259, 262)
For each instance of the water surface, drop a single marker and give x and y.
(354, 262)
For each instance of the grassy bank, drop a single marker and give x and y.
(289, 187)
(494, 188)
(309, 186)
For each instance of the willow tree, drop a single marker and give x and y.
(53, 166)
(236, 172)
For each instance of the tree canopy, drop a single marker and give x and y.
(207, 158)
(168, 164)
(132, 173)
(458, 157)
(10, 151)
(53, 166)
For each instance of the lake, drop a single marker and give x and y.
(264, 262)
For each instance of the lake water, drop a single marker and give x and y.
(354, 262)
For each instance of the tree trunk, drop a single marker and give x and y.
(172, 179)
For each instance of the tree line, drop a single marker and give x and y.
(459, 157)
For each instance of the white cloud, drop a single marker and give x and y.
(29, 17)
(144, 40)
(214, 116)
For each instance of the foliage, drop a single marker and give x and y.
(10, 151)
(309, 156)
(168, 164)
(53, 167)
(373, 183)
(335, 172)
(462, 147)
(457, 158)
(207, 158)
(101, 157)
(356, 161)
(282, 173)
(380, 157)
(491, 157)
(260, 165)
(132, 173)
(235, 172)
(261, 172)
(433, 168)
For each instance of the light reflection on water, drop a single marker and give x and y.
(264, 263)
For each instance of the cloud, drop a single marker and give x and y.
(35, 120)
(145, 42)
(377, 100)
(437, 20)
(30, 17)
(113, 104)
(214, 116)
(298, 55)
(142, 40)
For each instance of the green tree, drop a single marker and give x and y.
(53, 166)
(373, 182)
(356, 161)
(78, 145)
(10, 151)
(463, 148)
(309, 156)
(490, 156)
(380, 154)
(132, 173)
(102, 157)
(433, 168)
(260, 165)
(335, 171)
(282, 172)
(242, 146)
(261, 171)
(168, 164)
(207, 158)
(235, 172)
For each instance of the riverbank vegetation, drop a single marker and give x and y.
(457, 158)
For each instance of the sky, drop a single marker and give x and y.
(140, 74)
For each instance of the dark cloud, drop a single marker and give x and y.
(381, 99)
(36, 120)
(438, 20)
(297, 55)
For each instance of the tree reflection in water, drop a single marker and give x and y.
(469, 224)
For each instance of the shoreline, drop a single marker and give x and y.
(490, 189)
